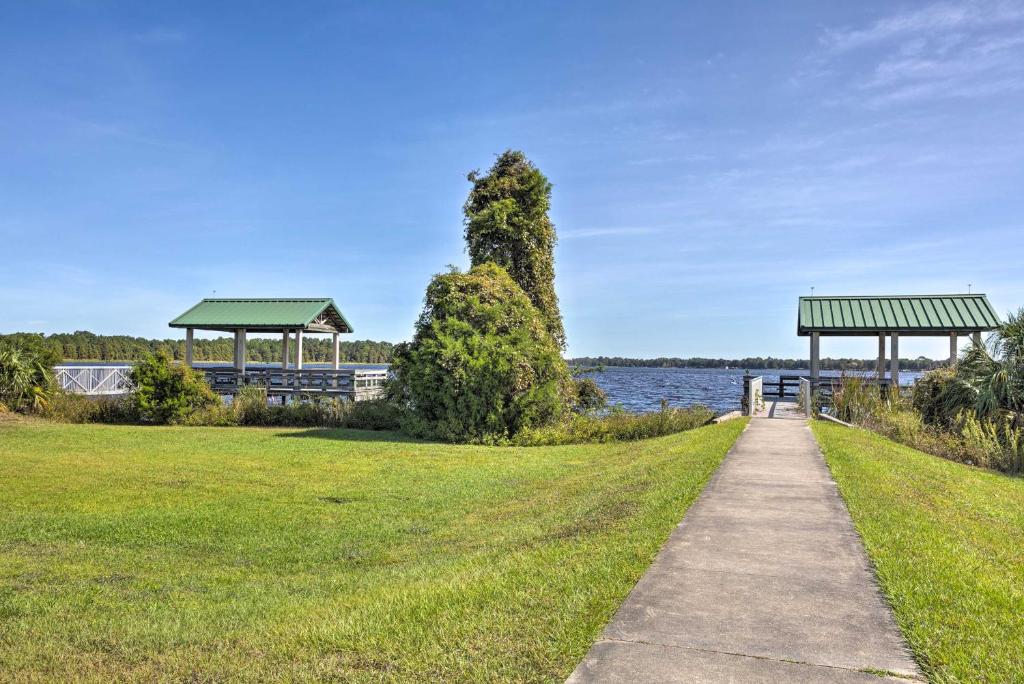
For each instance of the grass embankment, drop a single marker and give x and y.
(948, 543)
(243, 553)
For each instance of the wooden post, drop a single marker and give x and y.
(815, 359)
(880, 368)
(188, 346)
(894, 367)
(337, 350)
(977, 338)
(284, 349)
(952, 349)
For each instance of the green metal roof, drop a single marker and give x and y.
(315, 314)
(907, 315)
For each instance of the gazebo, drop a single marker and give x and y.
(949, 316)
(284, 316)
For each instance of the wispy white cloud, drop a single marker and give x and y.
(160, 35)
(942, 51)
(941, 17)
(577, 233)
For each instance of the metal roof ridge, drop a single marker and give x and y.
(266, 299)
(915, 296)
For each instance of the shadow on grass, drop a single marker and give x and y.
(349, 435)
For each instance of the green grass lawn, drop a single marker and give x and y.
(266, 554)
(948, 543)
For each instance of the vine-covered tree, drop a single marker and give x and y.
(506, 222)
(482, 365)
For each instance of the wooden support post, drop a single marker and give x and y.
(977, 338)
(284, 349)
(880, 368)
(337, 350)
(815, 359)
(952, 349)
(188, 346)
(894, 367)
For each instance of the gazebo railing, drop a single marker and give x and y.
(345, 382)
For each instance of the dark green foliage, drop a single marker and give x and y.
(990, 381)
(507, 223)
(86, 346)
(589, 397)
(618, 425)
(374, 414)
(34, 345)
(930, 396)
(26, 374)
(166, 392)
(482, 365)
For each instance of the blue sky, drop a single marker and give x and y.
(711, 162)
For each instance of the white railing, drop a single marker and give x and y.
(805, 399)
(755, 395)
(94, 380)
(346, 382)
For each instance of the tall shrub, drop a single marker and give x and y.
(506, 222)
(166, 392)
(482, 365)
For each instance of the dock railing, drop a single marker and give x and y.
(795, 387)
(348, 383)
(805, 398)
(94, 380)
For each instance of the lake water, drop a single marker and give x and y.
(640, 389)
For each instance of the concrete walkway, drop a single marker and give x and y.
(765, 580)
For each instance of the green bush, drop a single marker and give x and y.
(618, 425)
(166, 392)
(250, 408)
(930, 396)
(588, 396)
(482, 365)
(373, 414)
(26, 378)
(67, 407)
(921, 422)
(855, 400)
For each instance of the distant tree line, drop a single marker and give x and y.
(920, 363)
(86, 346)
